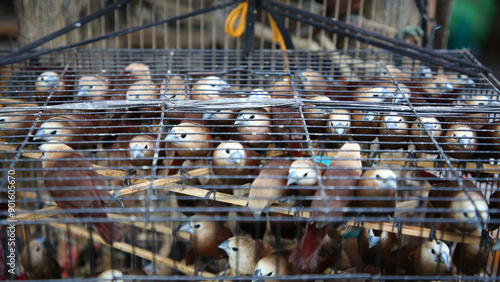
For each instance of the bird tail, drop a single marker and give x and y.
(429, 177)
(294, 145)
(306, 255)
(108, 232)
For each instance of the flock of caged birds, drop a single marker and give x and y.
(231, 139)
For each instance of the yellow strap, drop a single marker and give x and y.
(240, 14)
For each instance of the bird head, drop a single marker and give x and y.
(48, 131)
(244, 118)
(463, 139)
(47, 80)
(302, 173)
(386, 178)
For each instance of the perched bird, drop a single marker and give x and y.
(38, 260)
(429, 258)
(205, 238)
(175, 89)
(364, 125)
(376, 192)
(142, 149)
(63, 167)
(260, 95)
(316, 115)
(244, 253)
(470, 259)
(287, 123)
(436, 91)
(421, 138)
(94, 88)
(343, 173)
(338, 125)
(481, 103)
(208, 88)
(275, 264)
(220, 117)
(144, 90)
(132, 73)
(467, 215)
(459, 140)
(79, 131)
(53, 81)
(375, 247)
(269, 186)
(314, 83)
(236, 163)
(372, 94)
(18, 124)
(190, 140)
(393, 131)
(136, 71)
(253, 128)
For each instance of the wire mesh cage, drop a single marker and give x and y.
(254, 148)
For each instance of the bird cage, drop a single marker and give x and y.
(209, 163)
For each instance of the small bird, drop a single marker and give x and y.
(459, 140)
(253, 128)
(393, 131)
(269, 186)
(94, 88)
(144, 90)
(63, 167)
(38, 260)
(191, 140)
(376, 192)
(375, 247)
(314, 83)
(372, 94)
(53, 82)
(236, 163)
(316, 115)
(449, 194)
(244, 253)
(275, 264)
(176, 89)
(342, 174)
(220, 117)
(470, 259)
(205, 238)
(364, 125)
(142, 150)
(207, 88)
(420, 136)
(429, 258)
(260, 94)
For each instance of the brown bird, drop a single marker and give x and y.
(448, 194)
(93, 88)
(176, 89)
(205, 238)
(275, 264)
(393, 131)
(144, 90)
(287, 123)
(38, 260)
(63, 167)
(129, 75)
(244, 253)
(53, 80)
(191, 140)
(316, 115)
(420, 137)
(376, 192)
(253, 127)
(314, 83)
(207, 88)
(459, 140)
(372, 94)
(343, 173)
(470, 259)
(142, 149)
(236, 163)
(79, 131)
(364, 125)
(18, 124)
(220, 117)
(269, 186)
(375, 247)
(430, 258)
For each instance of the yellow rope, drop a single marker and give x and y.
(240, 14)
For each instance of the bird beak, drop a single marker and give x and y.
(443, 258)
(464, 142)
(50, 80)
(235, 157)
(172, 138)
(209, 116)
(136, 152)
(41, 136)
(372, 240)
(390, 124)
(241, 120)
(369, 116)
(186, 227)
(447, 87)
(386, 94)
(391, 182)
(339, 128)
(398, 98)
(257, 273)
(82, 91)
(223, 85)
(292, 177)
(429, 127)
(225, 246)
(327, 111)
(470, 82)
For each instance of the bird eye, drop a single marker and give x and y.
(146, 147)
(91, 86)
(433, 252)
(213, 85)
(270, 274)
(305, 174)
(37, 249)
(197, 226)
(378, 176)
(53, 132)
(465, 214)
(183, 135)
(235, 249)
(228, 151)
(252, 116)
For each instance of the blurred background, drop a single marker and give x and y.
(460, 24)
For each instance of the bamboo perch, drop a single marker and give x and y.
(151, 226)
(133, 250)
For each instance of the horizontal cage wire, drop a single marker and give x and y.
(204, 164)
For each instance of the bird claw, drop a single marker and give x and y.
(91, 155)
(210, 192)
(128, 176)
(397, 224)
(486, 240)
(462, 165)
(114, 197)
(374, 158)
(411, 160)
(297, 209)
(432, 233)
